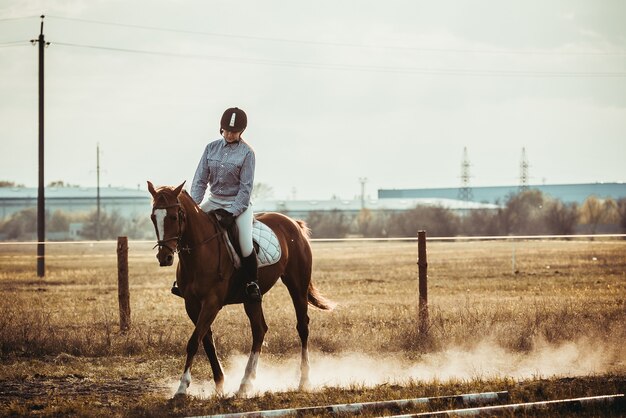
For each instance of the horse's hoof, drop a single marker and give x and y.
(244, 390)
(185, 382)
(182, 391)
(304, 386)
(219, 389)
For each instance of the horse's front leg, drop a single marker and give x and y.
(203, 325)
(218, 374)
(192, 349)
(259, 328)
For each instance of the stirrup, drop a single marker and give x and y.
(175, 290)
(253, 292)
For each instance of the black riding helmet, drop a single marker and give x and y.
(234, 119)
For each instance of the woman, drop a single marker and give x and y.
(227, 168)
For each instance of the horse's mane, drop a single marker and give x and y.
(165, 192)
(184, 195)
(188, 196)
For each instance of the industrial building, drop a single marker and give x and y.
(498, 194)
(137, 202)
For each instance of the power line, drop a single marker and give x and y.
(6, 19)
(345, 44)
(365, 68)
(14, 43)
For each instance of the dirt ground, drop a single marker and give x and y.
(77, 395)
(560, 305)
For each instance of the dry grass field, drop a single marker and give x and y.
(541, 319)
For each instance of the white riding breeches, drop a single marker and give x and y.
(244, 222)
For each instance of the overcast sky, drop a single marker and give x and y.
(335, 91)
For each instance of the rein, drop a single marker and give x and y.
(188, 249)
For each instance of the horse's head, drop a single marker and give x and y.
(168, 217)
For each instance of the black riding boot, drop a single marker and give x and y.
(176, 290)
(250, 270)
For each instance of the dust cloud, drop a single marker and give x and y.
(486, 360)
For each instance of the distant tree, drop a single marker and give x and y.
(523, 214)
(501, 217)
(591, 212)
(58, 222)
(561, 218)
(20, 224)
(436, 220)
(61, 183)
(444, 222)
(364, 221)
(596, 211)
(333, 224)
(612, 215)
(621, 213)
(111, 225)
(481, 222)
(261, 191)
(370, 224)
(379, 225)
(139, 227)
(5, 183)
(23, 224)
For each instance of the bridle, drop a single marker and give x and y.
(178, 238)
(164, 242)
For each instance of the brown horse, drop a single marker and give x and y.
(205, 276)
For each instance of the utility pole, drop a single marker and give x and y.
(41, 203)
(362, 180)
(98, 192)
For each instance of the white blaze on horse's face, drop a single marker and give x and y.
(159, 218)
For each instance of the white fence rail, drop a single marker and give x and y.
(396, 239)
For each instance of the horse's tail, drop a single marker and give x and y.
(304, 228)
(314, 297)
(318, 300)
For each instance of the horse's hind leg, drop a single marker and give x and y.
(300, 303)
(218, 374)
(259, 328)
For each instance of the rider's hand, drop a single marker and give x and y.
(225, 218)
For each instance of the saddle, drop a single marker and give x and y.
(264, 240)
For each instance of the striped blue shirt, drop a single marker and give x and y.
(229, 171)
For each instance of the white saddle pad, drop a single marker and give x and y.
(269, 247)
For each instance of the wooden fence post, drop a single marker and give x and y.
(422, 263)
(123, 292)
